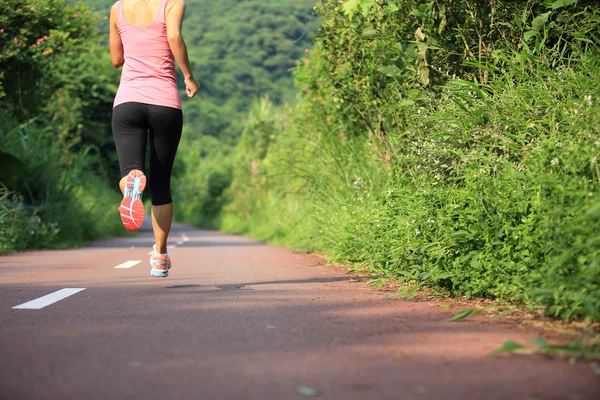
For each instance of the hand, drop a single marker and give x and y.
(191, 87)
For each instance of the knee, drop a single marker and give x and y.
(160, 194)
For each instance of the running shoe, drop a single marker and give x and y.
(160, 264)
(132, 208)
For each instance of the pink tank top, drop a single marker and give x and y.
(148, 74)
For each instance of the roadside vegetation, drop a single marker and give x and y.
(453, 145)
(56, 89)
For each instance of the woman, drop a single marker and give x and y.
(145, 38)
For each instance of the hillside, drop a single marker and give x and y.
(239, 50)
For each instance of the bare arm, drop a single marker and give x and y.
(174, 18)
(116, 45)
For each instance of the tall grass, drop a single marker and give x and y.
(58, 200)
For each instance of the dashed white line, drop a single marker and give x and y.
(48, 299)
(128, 264)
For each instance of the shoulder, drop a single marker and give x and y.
(177, 4)
(114, 9)
(114, 12)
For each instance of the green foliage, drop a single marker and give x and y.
(578, 350)
(58, 200)
(57, 89)
(239, 52)
(441, 144)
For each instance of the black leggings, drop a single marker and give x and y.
(131, 123)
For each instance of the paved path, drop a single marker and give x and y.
(239, 319)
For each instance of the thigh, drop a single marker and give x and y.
(130, 132)
(165, 125)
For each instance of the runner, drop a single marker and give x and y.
(145, 38)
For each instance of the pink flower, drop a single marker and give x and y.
(1, 30)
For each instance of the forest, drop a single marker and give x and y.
(448, 144)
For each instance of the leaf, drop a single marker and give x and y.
(422, 10)
(509, 347)
(560, 4)
(391, 8)
(425, 275)
(461, 315)
(540, 21)
(539, 341)
(350, 7)
(443, 275)
(308, 391)
(366, 6)
(369, 33)
(460, 233)
(412, 292)
(390, 70)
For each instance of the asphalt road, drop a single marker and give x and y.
(237, 319)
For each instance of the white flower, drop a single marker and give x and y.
(588, 98)
(554, 161)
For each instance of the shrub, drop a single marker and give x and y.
(449, 144)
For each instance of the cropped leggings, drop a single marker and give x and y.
(132, 124)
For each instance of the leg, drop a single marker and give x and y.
(165, 132)
(130, 132)
(161, 224)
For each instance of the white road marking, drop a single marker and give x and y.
(185, 238)
(48, 299)
(128, 264)
(171, 246)
(180, 243)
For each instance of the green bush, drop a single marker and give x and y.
(56, 92)
(452, 144)
(57, 200)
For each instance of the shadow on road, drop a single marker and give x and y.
(244, 286)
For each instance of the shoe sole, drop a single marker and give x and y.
(131, 208)
(160, 273)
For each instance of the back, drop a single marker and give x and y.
(148, 74)
(141, 14)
